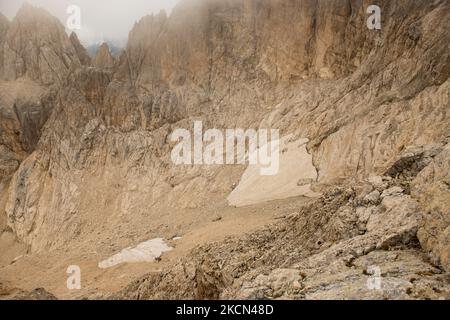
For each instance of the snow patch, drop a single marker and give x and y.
(295, 177)
(147, 251)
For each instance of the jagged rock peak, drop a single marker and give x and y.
(80, 49)
(103, 58)
(147, 26)
(37, 47)
(161, 17)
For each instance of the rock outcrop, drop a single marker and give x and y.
(24, 107)
(432, 188)
(7, 293)
(36, 56)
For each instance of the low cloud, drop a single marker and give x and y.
(101, 20)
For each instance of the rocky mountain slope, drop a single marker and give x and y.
(333, 248)
(93, 143)
(81, 51)
(35, 55)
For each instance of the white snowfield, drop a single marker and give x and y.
(147, 251)
(294, 178)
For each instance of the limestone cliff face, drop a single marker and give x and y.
(310, 68)
(376, 80)
(24, 108)
(35, 56)
(273, 40)
(207, 49)
(431, 187)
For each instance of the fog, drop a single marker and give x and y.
(101, 20)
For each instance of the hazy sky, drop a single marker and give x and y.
(100, 19)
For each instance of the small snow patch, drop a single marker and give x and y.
(147, 251)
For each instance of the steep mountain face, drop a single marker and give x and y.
(370, 102)
(24, 107)
(35, 54)
(36, 46)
